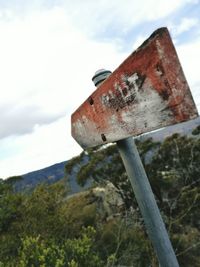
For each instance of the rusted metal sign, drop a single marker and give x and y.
(146, 92)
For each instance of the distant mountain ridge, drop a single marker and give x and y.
(48, 175)
(52, 174)
(184, 128)
(56, 172)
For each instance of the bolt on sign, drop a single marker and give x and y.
(147, 91)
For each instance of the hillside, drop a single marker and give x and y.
(50, 175)
(102, 226)
(56, 172)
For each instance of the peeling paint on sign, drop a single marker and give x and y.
(147, 91)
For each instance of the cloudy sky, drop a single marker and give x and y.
(50, 49)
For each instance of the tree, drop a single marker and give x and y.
(175, 176)
(10, 220)
(196, 131)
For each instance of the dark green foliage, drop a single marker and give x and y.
(71, 163)
(78, 212)
(72, 253)
(10, 217)
(196, 131)
(175, 165)
(175, 176)
(42, 211)
(49, 228)
(146, 149)
(105, 164)
(99, 161)
(13, 179)
(126, 241)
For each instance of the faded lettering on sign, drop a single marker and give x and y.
(126, 92)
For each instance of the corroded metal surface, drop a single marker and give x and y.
(146, 92)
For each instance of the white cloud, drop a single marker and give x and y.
(185, 25)
(46, 146)
(44, 60)
(46, 64)
(46, 68)
(189, 55)
(19, 120)
(98, 17)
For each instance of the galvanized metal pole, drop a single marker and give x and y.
(143, 193)
(147, 204)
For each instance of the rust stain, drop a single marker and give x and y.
(146, 92)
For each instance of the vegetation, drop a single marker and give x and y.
(48, 228)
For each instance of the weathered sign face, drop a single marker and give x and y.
(146, 92)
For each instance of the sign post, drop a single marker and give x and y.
(147, 204)
(146, 92)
